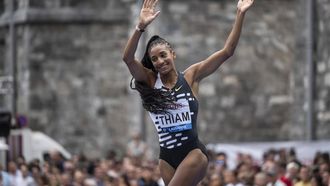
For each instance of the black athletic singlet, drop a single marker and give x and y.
(179, 126)
(177, 130)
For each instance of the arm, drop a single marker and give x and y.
(204, 68)
(135, 67)
(147, 15)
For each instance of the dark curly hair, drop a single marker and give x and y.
(154, 100)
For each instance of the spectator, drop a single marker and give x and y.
(270, 168)
(100, 176)
(316, 180)
(123, 180)
(324, 167)
(66, 179)
(304, 177)
(229, 178)
(27, 179)
(15, 175)
(269, 155)
(260, 179)
(4, 177)
(146, 178)
(325, 178)
(20, 160)
(245, 178)
(57, 160)
(78, 178)
(157, 176)
(36, 173)
(290, 175)
(136, 148)
(215, 180)
(122, 171)
(221, 161)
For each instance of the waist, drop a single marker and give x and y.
(189, 144)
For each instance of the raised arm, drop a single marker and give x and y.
(206, 67)
(147, 15)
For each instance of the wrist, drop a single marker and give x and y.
(139, 28)
(141, 25)
(240, 12)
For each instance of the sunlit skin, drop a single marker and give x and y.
(162, 58)
(193, 168)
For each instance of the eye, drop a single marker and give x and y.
(154, 59)
(163, 55)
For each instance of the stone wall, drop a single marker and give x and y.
(321, 60)
(298, 89)
(74, 86)
(323, 70)
(2, 59)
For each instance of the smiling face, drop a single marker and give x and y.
(162, 58)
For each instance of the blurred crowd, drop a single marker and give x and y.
(279, 167)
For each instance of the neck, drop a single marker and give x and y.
(169, 79)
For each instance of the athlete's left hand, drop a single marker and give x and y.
(244, 5)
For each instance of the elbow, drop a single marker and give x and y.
(126, 58)
(230, 51)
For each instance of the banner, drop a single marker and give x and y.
(305, 151)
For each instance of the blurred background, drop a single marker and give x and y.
(61, 73)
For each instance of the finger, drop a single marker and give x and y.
(156, 14)
(144, 3)
(154, 3)
(250, 2)
(149, 4)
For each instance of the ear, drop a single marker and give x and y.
(173, 54)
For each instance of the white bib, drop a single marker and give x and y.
(175, 121)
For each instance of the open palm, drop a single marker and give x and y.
(244, 5)
(148, 12)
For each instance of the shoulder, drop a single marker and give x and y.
(189, 74)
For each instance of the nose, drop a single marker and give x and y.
(159, 62)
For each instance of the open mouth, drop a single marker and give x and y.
(163, 67)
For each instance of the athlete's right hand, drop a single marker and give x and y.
(148, 13)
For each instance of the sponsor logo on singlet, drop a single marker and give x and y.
(176, 120)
